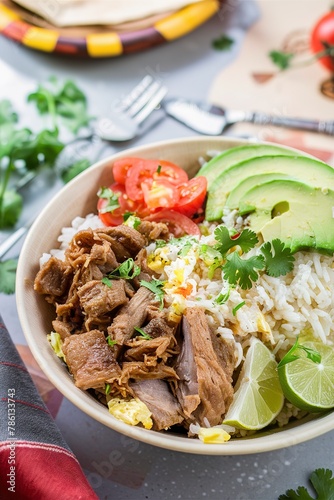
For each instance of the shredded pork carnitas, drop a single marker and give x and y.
(116, 333)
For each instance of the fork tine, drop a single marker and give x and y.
(150, 105)
(143, 99)
(127, 101)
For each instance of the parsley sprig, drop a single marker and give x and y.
(322, 481)
(127, 271)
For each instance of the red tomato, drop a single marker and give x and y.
(121, 167)
(322, 38)
(159, 193)
(192, 195)
(115, 217)
(154, 170)
(177, 223)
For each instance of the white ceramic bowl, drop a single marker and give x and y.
(79, 198)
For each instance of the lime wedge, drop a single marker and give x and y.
(259, 397)
(307, 384)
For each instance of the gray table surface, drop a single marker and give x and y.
(120, 468)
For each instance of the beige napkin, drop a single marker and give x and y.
(63, 13)
(248, 83)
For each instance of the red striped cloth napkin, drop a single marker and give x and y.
(35, 461)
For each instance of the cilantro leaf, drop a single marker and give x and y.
(156, 286)
(242, 271)
(281, 59)
(142, 333)
(106, 281)
(322, 482)
(7, 276)
(224, 42)
(278, 259)
(65, 100)
(11, 204)
(77, 168)
(246, 240)
(127, 270)
(7, 114)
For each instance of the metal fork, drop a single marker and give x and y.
(122, 124)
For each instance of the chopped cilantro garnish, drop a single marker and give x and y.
(156, 286)
(159, 169)
(106, 281)
(223, 297)
(142, 333)
(131, 220)
(110, 341)
(185, 249)
(160, 243)
(7, 276)
(237, 307)
(278, 259)
(322, 481)
(111, 197)
(127, 270)
(246, 240)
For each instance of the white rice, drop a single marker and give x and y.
(276, 310)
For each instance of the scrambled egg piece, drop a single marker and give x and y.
(131, 412)
(213, 435)
(264, 329)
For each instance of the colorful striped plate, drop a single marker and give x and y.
(101, 42)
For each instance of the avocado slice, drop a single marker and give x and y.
(313, 172)
(298, 214)
(213, 168)
(241, 189)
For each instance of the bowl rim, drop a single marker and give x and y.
(268, 441)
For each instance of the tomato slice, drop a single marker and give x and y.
(116, 216)
(120, 168)
(177, 223)
(159, 193)
(154, 170)
(191, 196)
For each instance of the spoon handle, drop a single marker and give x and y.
(320, 126)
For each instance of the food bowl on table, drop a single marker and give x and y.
(79, 198)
